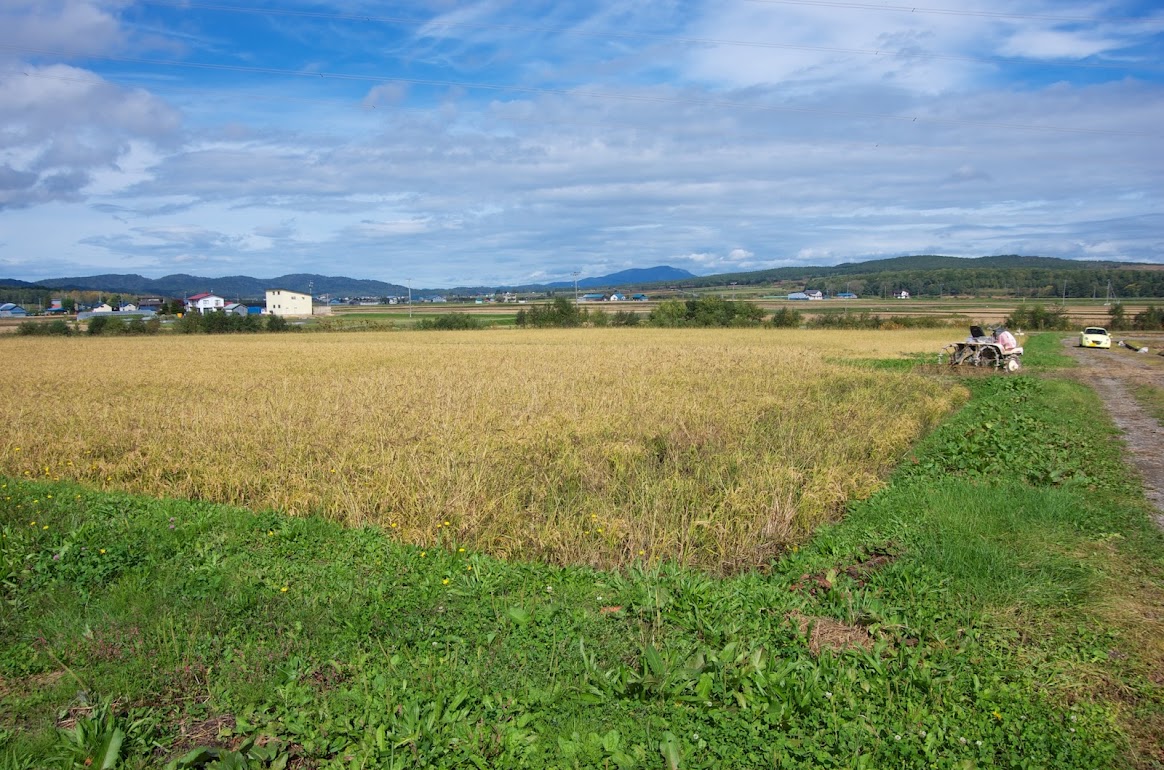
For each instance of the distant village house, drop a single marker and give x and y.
(204, 303)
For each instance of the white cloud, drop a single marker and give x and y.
(79, 26)
(721, 158)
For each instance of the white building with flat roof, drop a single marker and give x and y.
(285, 302)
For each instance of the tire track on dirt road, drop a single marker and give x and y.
(1111, 373)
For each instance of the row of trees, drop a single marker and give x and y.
(229, 323)
(99, 326)
(703, 312)
(1149, 319)
(706, 312)
(1019, 282)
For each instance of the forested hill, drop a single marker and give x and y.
(927, 275)
(937, 262)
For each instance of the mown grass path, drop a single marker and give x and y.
(998, 604)
(1117, 375)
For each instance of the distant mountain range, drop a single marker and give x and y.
(230, 287)
(245, 287)
(242, 286)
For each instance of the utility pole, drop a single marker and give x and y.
(575, 274)
(409, 282)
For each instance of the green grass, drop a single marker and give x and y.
(1045, 350)
(991, 565)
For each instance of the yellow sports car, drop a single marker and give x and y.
(1094, 337)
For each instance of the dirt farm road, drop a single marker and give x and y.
(1113, 373)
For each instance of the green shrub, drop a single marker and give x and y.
(450, 322)
(786, 318)
(705, 312)
(560, 313)
(1151, 319)
(846, 320)
(57, 328)
(624, 318)
(224, 323)
(1038, 318)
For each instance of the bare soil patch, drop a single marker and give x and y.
(829, 634)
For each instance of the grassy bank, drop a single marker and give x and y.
(997, 605)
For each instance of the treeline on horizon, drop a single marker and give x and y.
(1013, 282)
(1018, 277)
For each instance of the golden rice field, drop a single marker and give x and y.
(601, 446)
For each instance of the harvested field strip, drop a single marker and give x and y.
(584, 446)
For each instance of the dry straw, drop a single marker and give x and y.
(599, 446)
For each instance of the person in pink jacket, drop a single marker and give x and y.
(1006, 340)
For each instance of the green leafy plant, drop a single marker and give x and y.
(249, 755)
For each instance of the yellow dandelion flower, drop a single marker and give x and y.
(393, 525)
(460, 550)
(50, 497)
(270, 532)
(423, 554)
(447, 524)
(445, 582)
(45, 526)
(283, 590)
(333, 470)
(469, 567)
(997, 714)
(642, 553)
(32, 523)
(102, 550)
(600, 530)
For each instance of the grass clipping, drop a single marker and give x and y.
(583, 446)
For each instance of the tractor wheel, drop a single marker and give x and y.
(1013, 365)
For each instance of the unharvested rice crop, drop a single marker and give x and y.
(601, 446)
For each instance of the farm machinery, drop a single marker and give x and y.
(997, 350)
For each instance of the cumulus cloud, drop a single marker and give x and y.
(60, 125)
(77, 26)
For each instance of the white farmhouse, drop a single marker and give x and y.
(203, 303)
(285, 302)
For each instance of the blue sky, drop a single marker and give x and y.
(454, 143)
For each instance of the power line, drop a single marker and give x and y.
(632, 98)
(656, 37)
(953, 12)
